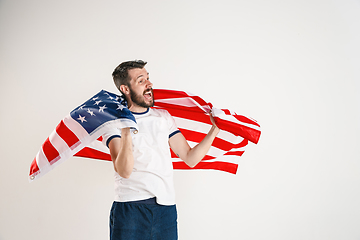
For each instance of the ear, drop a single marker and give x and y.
(124, 89)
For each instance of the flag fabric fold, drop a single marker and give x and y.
(191, 114)
(79, 133)
(83, 126)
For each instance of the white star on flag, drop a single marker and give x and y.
(82, 119)
(81, 108)
(121, 107)
(102, 108)
(91, 112)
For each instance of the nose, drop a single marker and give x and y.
(148, 83)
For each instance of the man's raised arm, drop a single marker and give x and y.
(192, 156)
(121, 153)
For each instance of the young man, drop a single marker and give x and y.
(144, 206)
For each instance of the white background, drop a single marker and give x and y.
(291, 65)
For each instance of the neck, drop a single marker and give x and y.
(136, 108)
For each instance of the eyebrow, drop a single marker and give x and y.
(141, 76)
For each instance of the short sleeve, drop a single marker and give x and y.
(113, 133)
(173, 129)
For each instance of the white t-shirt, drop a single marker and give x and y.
(152, 175)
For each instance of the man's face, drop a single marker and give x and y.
(141, 92)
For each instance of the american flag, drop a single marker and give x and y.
(79, 133)
(191, 114)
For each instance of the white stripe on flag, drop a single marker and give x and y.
(204, 128)
(75, 127)
(225, 158)
(231, 118)
(184, 102)
(41, 159)
(58, 143)
(99, 146)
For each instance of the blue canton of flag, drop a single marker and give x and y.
(101, 108)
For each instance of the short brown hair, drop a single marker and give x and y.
(121, 74)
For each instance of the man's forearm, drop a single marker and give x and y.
(124, 162)
(197, 153)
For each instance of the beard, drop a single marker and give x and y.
(139, 99)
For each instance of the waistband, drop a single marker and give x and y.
(145, 201)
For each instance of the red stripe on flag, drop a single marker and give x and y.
(246, 132)
(235, 153)
(34, 167)
(66, 134)
(189, 114)
(200, 101)
(226, 111)
(92, 153)
(164, 94)
(169, 107)
(192, 135)
(246, 120)
(49, 150)
(218, 142)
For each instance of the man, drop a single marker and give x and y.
(144, 206)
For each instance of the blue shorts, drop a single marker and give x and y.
(143, 220)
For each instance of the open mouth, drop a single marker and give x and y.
(148, 94)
